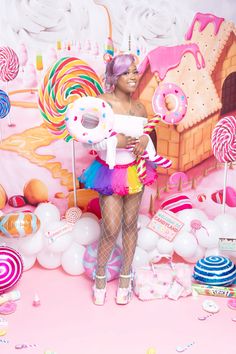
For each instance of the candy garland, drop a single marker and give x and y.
(159, 160)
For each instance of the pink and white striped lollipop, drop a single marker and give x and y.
(90, 261)
(224, 139)
(11, 267)
(9, 64)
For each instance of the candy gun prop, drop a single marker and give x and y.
(159, 160)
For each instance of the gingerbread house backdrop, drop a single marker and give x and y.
(204, 67)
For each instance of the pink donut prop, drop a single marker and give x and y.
(90, 261)
(9, 64)
(89, 119)
(224, 139)
(175, 115)
(11, 268)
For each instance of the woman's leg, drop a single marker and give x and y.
(131, 206)
(111, 210)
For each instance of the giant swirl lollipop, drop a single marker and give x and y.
(11, 268)
(224, 139)
(9, 64)
(4, 104)
(65, 81)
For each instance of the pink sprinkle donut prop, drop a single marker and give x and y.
(90, 260)
(175, 115)
(89, 120)
(11, 268)
(224, 139)
(16, 225)
(176, 203)
(65, 81)
(9, 64)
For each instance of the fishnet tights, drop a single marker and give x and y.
(118, 211)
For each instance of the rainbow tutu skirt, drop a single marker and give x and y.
(121, 180)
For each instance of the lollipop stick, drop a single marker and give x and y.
(224, 187)
(10, 124)
(73, 171)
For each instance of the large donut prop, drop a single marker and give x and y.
(89, 120)
(11, 268)
(224, 139)
(17, 225)
(65, 81)
(175, 115)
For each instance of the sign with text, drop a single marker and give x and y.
(165, 224)
(227, 244)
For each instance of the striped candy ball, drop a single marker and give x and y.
(215, 270)
(176, 203)
(90, 262)
(17, 201)
(11, 268)
(4, 104)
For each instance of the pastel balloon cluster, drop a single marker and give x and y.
(5, 104)
(199, 237)
(66, 80)
(9, 64)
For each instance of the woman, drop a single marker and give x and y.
(120, 189)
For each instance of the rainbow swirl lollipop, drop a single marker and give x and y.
(65, 81)
(4, 104)
(9, 64)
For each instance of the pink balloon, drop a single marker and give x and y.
(11, 268)
(94, 207)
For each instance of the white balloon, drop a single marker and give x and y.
(47, 213)
(60, 240)
(143, 221)
(185, 244)
(227, 224)
(208, 235)
(49, 260)
(90, 215)
(147, 239)
(86, 231)
(154, 256)
(212, 252)
(33, 244)
(140, 258)
(10, 242)
(28, 261)
(165, 247)
(200, 251)
(188, 215)
(72, 259)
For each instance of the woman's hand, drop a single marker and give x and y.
(124, 141)
(140, 145)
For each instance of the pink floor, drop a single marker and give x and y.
(67, 322)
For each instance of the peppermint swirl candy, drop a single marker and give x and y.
(215, 270)
(224, 139)
(73, 214)
(113, 265)
(65, 81)
(11, 267)
(4, 104)
(9, 64)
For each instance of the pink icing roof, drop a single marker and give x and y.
(204, 20)
(162, 59)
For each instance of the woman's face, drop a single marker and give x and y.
(128, 81)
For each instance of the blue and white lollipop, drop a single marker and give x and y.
(4, 104)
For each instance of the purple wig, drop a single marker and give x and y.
(116, 67)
